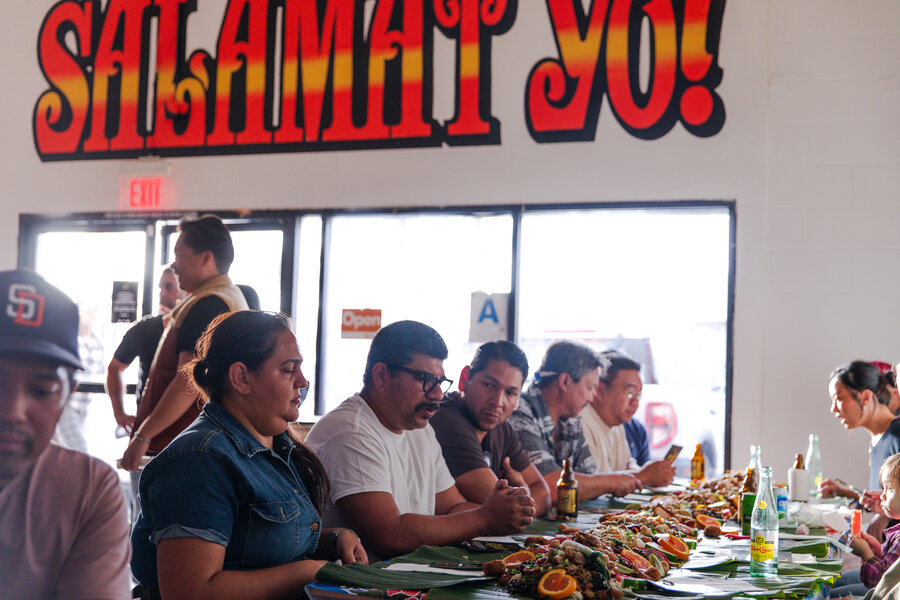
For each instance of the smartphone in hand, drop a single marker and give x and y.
(672, 454)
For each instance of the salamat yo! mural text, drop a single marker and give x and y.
(303, 75)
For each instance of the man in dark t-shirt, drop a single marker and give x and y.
(140, 342)
(479, 446)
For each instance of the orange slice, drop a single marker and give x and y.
(556, 584)
(517, 558)
(707, 520)
(674, 545)
(640, 563)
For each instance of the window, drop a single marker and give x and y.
(650, 283)
(651, 280)
(411, 266)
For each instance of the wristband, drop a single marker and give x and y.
(141, 438)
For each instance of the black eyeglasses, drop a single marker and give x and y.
(429, 381)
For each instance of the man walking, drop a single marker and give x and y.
(203, 254)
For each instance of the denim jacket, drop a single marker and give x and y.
(216, 482)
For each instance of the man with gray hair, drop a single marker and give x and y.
(549, 426)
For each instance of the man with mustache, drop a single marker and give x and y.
(479, 446)
(548, 424)
(63, 521)
(614, 402)
(388, 478)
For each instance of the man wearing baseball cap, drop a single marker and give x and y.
(63, 521)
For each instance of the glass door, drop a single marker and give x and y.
(85, 265)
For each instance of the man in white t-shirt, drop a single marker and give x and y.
(388, 478)
(614, 403)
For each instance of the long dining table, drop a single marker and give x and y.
(717, 567)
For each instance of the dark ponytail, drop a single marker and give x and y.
(862, 375)
(251, 337)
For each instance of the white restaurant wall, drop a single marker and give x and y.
(830, 238)
(800, 152)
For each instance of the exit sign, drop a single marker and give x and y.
(138, 193)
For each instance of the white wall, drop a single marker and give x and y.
(830, 243)
(809, 152)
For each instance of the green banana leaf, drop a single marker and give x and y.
(370, 576)
(795, 581)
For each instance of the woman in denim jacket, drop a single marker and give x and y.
(231, 508)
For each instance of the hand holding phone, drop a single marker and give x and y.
(672, 454)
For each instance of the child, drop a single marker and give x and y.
(878, 558)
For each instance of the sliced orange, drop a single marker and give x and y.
(707, 520)
(556, 584)
(640, 563)
(674, 545)
(517, 558)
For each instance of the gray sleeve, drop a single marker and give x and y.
(539, 453)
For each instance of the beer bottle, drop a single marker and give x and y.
(567, 492)
(798, 461)
(698, 466)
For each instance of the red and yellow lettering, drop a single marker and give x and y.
(61, 112)
(121, 26)
(475, 22)
(244, 62)
(561, 94)
(385, 46)
(622, 62)
(702, 111)
(319, 47)
(180, 115)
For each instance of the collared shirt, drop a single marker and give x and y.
(535, 428)
(216, 482)
(608, 445)
(872, 570)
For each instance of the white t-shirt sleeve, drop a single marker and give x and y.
(355, 463)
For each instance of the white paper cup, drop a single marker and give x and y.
(798, 484)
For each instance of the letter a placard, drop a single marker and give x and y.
(490, 313)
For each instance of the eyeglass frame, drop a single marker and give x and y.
(425, 377)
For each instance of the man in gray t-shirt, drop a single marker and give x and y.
(479, 446)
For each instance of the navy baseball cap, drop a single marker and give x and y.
(37, 319)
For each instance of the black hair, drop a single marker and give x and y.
(566, 357)
(500, 350)
(251, 337)
(862, 375)
(612, 363)
(208, 232)
(397, 344)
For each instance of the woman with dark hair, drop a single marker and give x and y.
(860, 397)
(231, 508)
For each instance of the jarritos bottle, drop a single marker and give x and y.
(567, 492)
(698, 466)
(764, 529)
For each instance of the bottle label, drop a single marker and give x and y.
(817, 480)
(762, 504)
(566, 502)
(761, 550)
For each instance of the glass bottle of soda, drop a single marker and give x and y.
(567, 492)
(764, 529)
(698, 465)
(814, 465)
